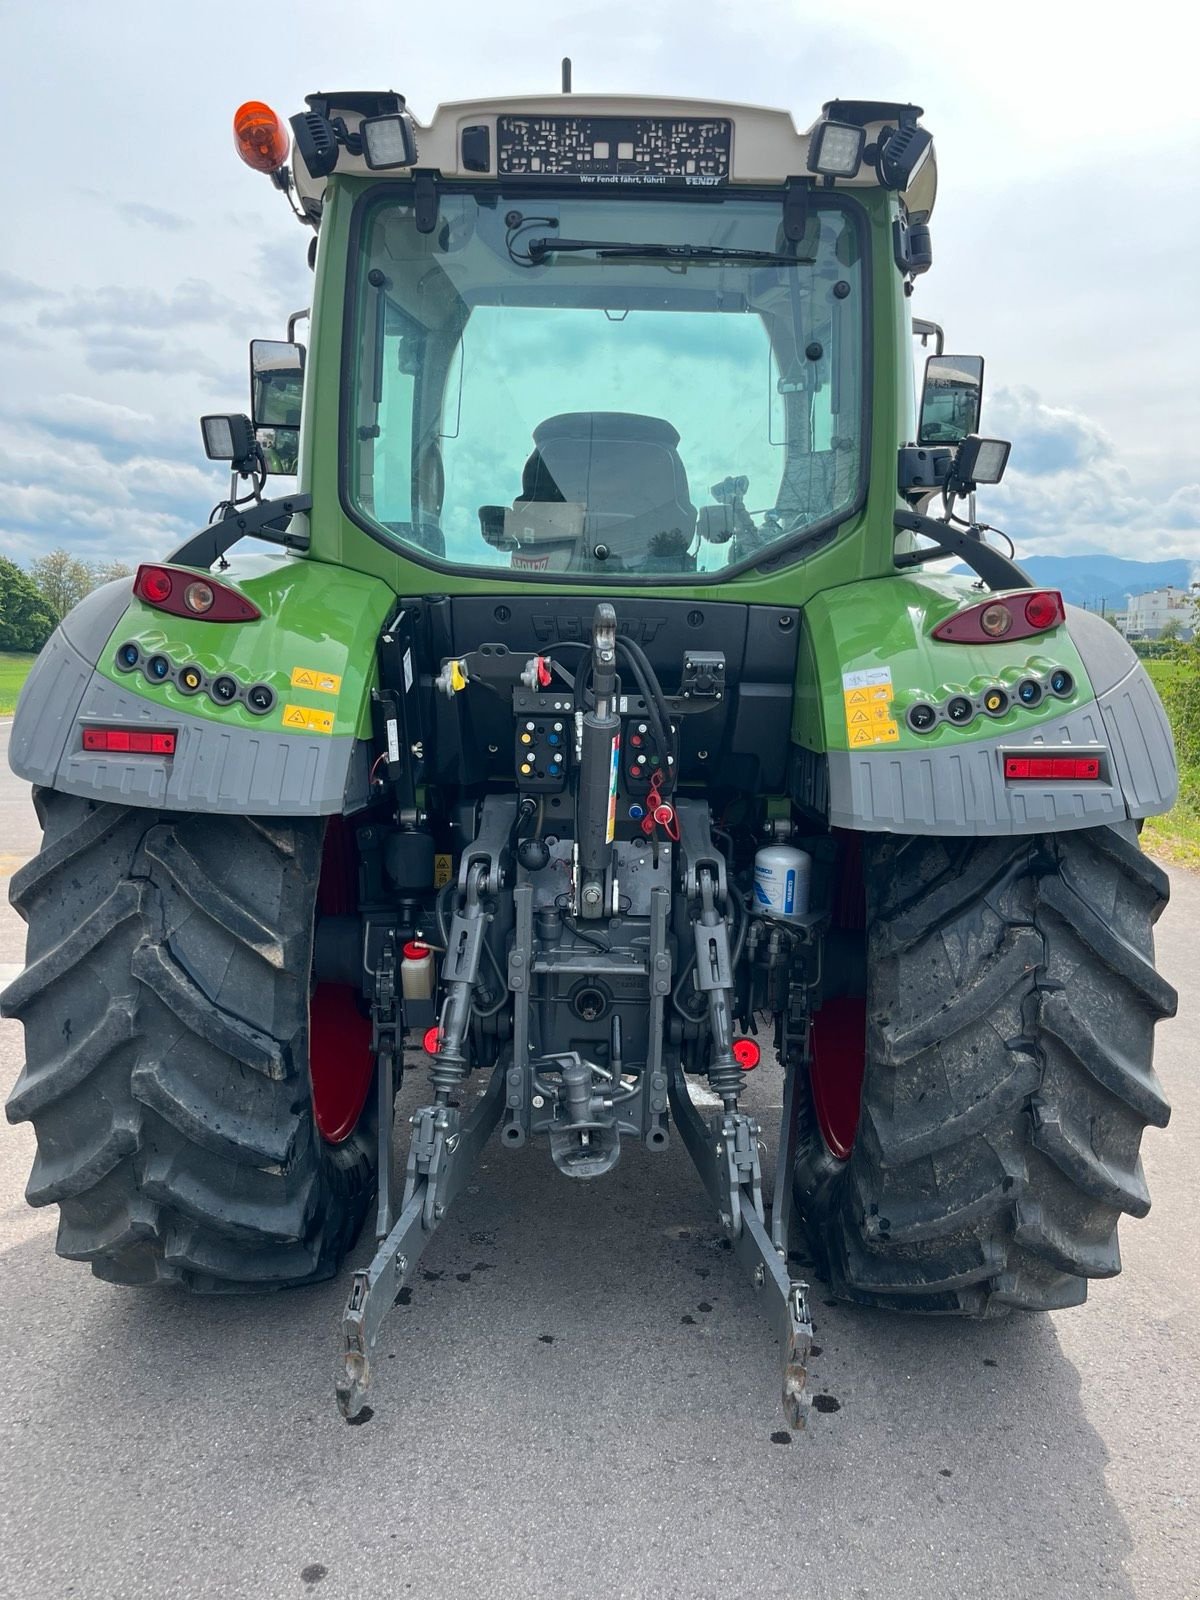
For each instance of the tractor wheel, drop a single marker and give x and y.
(166, 1004)
(1003, 1046)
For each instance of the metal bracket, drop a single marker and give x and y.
(444, 1151)
(384, 1026)
(725, 1153)
(995, 568)
(425, 201)
(262, 522)
(795, 208)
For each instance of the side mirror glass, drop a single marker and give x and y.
(951, 399)
(276, 388)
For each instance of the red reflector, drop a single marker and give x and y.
(1052, 768)
(747, 1054)
(430, 1042)
(129, 741)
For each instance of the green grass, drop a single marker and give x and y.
(1162, 673)
(1176, 837)
(14, 669)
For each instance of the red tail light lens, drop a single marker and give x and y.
(183, 594)
(129, 741)
(1044, 610)
(154, 584)
(1052, 769)
(1027, 614)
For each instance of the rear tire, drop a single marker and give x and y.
(165, 1003)
(1011, 1003)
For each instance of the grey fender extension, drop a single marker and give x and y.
(216, 768)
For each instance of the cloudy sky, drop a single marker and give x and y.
(138, 254)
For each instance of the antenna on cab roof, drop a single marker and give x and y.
(566, 75)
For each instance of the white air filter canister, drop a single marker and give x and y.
(781, 882)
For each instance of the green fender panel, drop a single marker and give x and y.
(313, 647)
(868, 656)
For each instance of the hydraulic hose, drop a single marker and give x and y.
(656, 705)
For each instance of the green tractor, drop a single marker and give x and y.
(598, 716)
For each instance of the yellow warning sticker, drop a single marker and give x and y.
(874, 733)
(868, 697)
(306, 717)
(322, 682)
(442, 868)
(881, 694)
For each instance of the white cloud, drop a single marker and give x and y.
(1067, 492)
(1065, 246)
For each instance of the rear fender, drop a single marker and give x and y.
(313, 646)
(869, 656)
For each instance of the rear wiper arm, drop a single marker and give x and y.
(539, 249)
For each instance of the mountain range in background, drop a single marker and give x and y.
(1102, 583)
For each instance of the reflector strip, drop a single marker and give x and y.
(129, 741)
(1054, 768)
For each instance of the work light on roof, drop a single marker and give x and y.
(387, 142)
(901, 154)
(836, 149)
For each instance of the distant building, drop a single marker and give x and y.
(1148, 614)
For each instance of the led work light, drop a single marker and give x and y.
(387, 142)
(836, 149)
(980, 460)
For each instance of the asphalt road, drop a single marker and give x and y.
(583, 1402)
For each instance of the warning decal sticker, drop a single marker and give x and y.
(308, 718)
(867, 698)
(309, 678)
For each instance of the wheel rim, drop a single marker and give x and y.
(340, 1062)
(838, 1050)
(838, 1042)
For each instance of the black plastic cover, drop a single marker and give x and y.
(742, 741)
(477, 148)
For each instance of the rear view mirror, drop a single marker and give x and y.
(276, 387)
(951, 399)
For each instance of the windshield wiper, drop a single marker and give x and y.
(539, 249)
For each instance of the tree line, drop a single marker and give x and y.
(34, 602)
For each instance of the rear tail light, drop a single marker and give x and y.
(129, 741)
(183, 594)
(1009, 616)
(1052, 769)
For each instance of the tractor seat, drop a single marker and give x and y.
(625, 471)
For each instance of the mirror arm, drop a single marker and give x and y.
(207, 546)
(925, 331)
(997, 570)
